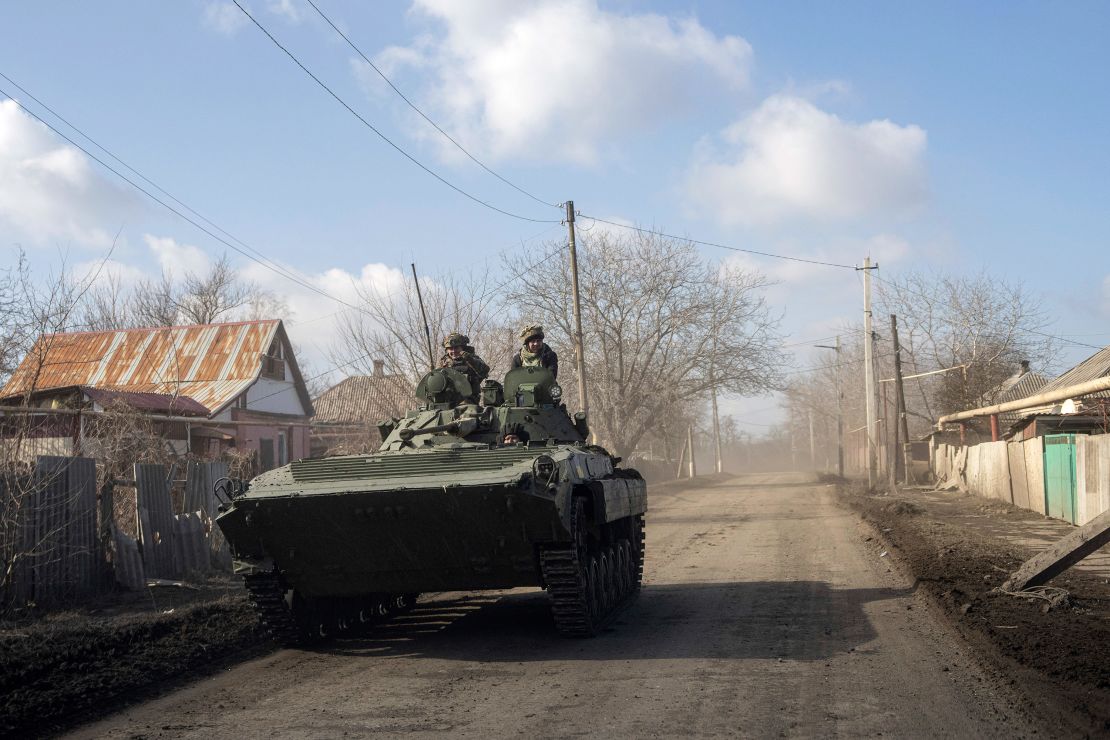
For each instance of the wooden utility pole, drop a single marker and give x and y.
(578, 348)
(903, 425)
(869, 371)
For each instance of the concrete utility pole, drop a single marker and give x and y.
(584, 401)
(716, 426)
(812, 443)
(690, 444)
(869, 371)
(839, 411)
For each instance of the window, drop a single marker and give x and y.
(282, 452)
(273, 364)
(265, 454)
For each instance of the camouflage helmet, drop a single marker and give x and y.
(530, 331)
(454, 339)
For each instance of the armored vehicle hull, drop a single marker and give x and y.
(327, 544)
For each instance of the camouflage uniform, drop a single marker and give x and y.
(468, 363)
(546, 357)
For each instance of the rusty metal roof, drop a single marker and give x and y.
(365, 398)
(210, 363)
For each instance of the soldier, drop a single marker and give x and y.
(535, 353)
(459, 355)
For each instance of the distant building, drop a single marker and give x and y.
(347, 414)
(209, 387)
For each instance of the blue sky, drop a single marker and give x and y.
(952, 135)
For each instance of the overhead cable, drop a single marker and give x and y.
(382, 136)
(967, 326)
(421, 113)
(720, 246)
(177, 212)
(273, 265)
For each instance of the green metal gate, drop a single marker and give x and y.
(1059, 476)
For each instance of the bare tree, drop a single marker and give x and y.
(107, 305)
(662, 328)
(220, 294)
(389, 327)
(155, 302)
(985, 324)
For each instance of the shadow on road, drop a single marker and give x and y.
(799, 620)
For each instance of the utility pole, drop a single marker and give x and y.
(812, 445)
(900, 396)
(578, 348)
(690, 444)
(839, 412)
(869, 371)
(716, 424)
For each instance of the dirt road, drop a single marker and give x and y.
(764, 613)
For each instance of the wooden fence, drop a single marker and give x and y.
(1014, 472)
(62, 547)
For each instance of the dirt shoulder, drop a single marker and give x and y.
(65, 668)
(958, 548)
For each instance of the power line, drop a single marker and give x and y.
(382, 136)
(967, 326)
(178, 213)
(281, 270)
(480, 298)
(421, 113)
(720, 246)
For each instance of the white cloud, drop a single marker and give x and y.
(49, 191)
(287, 9)
(313, 320)
(224, 18)
(177, 259)
(557, 79)
(789, 158)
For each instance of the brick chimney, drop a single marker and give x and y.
(379, 368)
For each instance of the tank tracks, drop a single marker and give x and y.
(294, 621)
(588, 581)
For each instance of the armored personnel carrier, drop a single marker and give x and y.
(486, 488)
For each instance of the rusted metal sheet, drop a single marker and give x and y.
(155, 520)
(200, 477)
(127, 561)
(190, 544)
(211, 364)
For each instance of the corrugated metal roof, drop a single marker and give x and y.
(1095, 366)
(210, 363)
(172, 405)
(1019, 386)
(365, 398)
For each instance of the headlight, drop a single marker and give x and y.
(544, 469)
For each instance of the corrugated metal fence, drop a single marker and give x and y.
(49, 531)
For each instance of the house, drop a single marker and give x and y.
(1081, 415)
(347, 414)
(205, 387)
